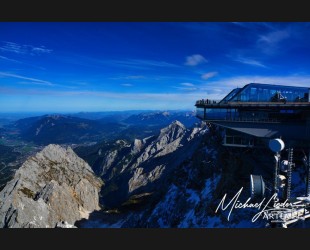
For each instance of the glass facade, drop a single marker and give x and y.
(238, 139)
(200, 113)
(230, 95)
(216, 114)
(256, 92)
(211, 114)
(249, 115)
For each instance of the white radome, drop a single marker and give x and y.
(276, 145)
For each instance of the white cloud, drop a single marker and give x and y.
(255, 25)
(9, 59)
(13, 47)
(194, 60)
(249, 61)
(127, 84)
(41, 50)
(270, 42)
(133, 77)
(274, 37)
(187, 84)
(186, 88)
(141, 63)
(24, 49)
(208, 75)
(37, 81)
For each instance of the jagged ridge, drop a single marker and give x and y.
(140, 167)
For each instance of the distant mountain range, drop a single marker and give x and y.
(89, 127)
(107, 116)
(163, 118)
(63, 129)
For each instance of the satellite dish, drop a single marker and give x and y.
(257, 186)
(276, 145)
(284, 166)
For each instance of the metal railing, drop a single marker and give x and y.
(206, 101)
(254, 120)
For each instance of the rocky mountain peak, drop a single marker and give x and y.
(53, 186)
(172, 133)
(174, 125)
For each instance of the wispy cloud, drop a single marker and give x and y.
(194, 60)
(187, 84)
(249, 61)
(127, 63)
(141, 63)
(24, 49)
(127, 84)
(187, 89)
(33, 83)
(274, 37)
(30, 79)
(41, 50)
(269, 43)
(209, 75)
(255, 25)
(134, 77)
(9, 59)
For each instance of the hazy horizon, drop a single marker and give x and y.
(103, 111)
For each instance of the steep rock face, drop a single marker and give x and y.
(53, 186)
(174, 144)
(140, 179)
(167, 142)
(147, 163)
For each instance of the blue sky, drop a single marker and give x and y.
(90, 66)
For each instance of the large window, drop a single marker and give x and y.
(230, 95)
(216, 114)
(255, 92)
(200, 113)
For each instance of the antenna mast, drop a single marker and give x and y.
(289, 173)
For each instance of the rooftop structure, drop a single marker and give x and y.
(256, 113)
